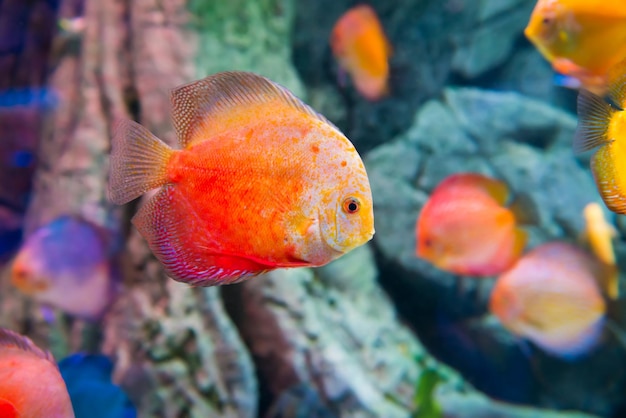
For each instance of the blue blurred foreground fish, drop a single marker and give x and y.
(66, 264)
(30, 383)
(93, 394)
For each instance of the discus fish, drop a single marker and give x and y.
(582, 39)
(93, 394)
(31, 385)
(262, 182)
(465, 227)
(599, 234)
(551, 297)
(362, 49)
(65, 264)
(603, 125)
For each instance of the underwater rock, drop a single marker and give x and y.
(329, 340)
(496, 26)
(177, 352)
(25, 33)
(245, 35)
(528, 144)
(332, 328)
(433, 41)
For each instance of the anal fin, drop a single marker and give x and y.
(182, 243)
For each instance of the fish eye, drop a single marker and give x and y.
(351, 205)
(546, 20)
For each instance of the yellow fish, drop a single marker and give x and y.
(599, 233)
(582, 39)
(603, 124)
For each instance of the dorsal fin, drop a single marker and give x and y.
(11, 339)
(617, 85)
(203, 107)
(496, 189)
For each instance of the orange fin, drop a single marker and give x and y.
(8, 410)
(497, 189)
(388, 47)
(568, 67)
(11, 339)
(594, 115)
(610, 280)
(521, 238)
(180, 241)
(204, 107)
(599, 233)
(525, 210)
(138, 162)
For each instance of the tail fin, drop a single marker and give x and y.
(138, 162)
(525, 209)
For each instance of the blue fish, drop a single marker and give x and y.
(28, 97)
(93, 394)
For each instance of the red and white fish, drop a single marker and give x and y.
(261, 182)
(31, 385)
(466, 228)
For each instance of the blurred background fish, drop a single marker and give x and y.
(582, 39)
(466, 228)
(93, 394)
(551, 297)
(279, 186)
(601, 126)
(599, 235)
(66, 264)
(30, 383)
(362, 50)
(43, 98)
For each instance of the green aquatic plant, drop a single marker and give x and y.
(427, 405)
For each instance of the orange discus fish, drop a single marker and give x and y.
(262, 182)
(603, 125)
(31, 385)
(362, 49)
(551, 297)
(465, 228)
(583, 39)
